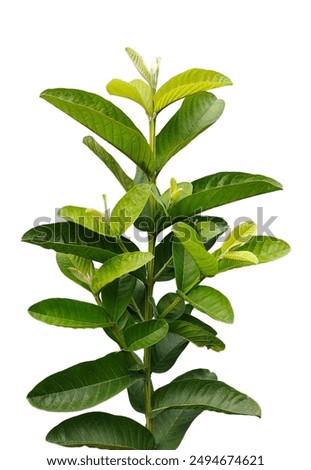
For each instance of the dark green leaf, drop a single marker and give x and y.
(70, 313)
(197, 113)
(197, 335)
(145, 334)
(126, 182)
(170, 426)
(187, 83)
(186, 270)
(163, 259)
(202, 374)
(190, 240)
(117, 267)
(106, 120)
(204, 395)
(85, 385)
(166, 301)
(165, 353)
(102, 430)
(136, 394)
(211, 301)
(117, 295)
(222, 188)
(196, 322)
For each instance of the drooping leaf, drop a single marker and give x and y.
(240, 235)
(163, 262)
(196, 335)
(117, 267)
(103, 431)
(210, 395)
(136, 90)
(187, 83)
(106, 120)
(264, 248)
(246, 256)
(165, 353)
(145, 334)
(92, 219)
(85, 385)
(129, 207)
(211, 301)
(140, 65)
(70, 313)
(190, 240)
(111, 163)
(117, 295)
(170, 427)
(186, 269)
(76, 269)
(222, 188)
(166, 301)
(196, 114)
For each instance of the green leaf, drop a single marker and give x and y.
(117, 267)
(136, 90)
(145, 334)
(76, 269)
(210, 228)
(190, 240)
(202, 374)
(163, 261)
(165, 353)
(166, 301)
(85, 385)
(129, 207)
(170, 426)
(187, 83)
(204, 395)
(89, 218)
(196, 335)
(196, 322)
(182, 190)
(73, 239)
(264, 248)
(106, 120)
(222, 188)
(139, 64)
(186, 270)
(101, 430)
(125, 181)
(136, 394)
(196, 114)
(239, 236)
(117, 295)
(242, 256)
(211, 301)
(70, 313)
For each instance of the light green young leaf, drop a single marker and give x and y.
(85, 385)
(129, 207)
(77, 269)
(245, 256)
(145, 334)
(117, 267)
(89, 218)
(106, 120)
(101, 430)
(239, 236)
(187, 272)
(136, 90)
(187, 83)
(196, 114)
(222, 188)
(180, 191)
(209, 300)
(126, 182)
(190, 240)
(70, 313)
(210, 395)
(140, 65)
(210, 228)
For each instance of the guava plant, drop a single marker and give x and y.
(92, 249)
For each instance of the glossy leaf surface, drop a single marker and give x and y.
(117, 295)
(165, 353)
(196, 334)
(145, 334)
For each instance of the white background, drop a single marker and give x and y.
(264, 47)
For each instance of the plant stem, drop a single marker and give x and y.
(150, 281)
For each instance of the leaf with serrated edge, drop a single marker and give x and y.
(103, 431)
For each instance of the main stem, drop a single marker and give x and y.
(150, 283)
